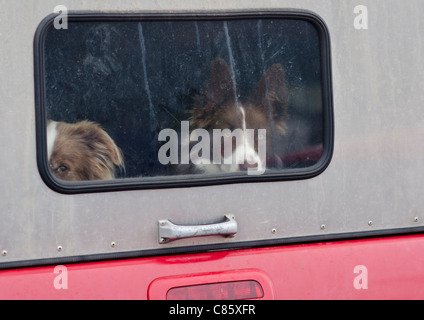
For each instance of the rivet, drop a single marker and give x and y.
(274, 230)
(416, 219)
(59, 248)
(113, 244)
(4, 253)
(370, 223)
(322, 226)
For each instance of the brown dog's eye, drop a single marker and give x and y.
(62, 169)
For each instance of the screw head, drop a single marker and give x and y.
(4, 253)
(370, 223)
(274, 230)
(113, 244)
(416, 219)
(59, 248)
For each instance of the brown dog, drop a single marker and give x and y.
(218, 106)
(81, 151)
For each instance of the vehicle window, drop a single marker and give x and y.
(149, 102)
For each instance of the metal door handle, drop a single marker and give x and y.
(170, 232)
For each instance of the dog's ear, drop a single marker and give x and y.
(220, 86)
(111, 149)
(271, 94)
(218, 89)
(103, 146)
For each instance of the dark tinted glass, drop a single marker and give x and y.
(183, 97)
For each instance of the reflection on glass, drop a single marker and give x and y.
(159, 98)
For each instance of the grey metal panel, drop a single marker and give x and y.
(376, 174)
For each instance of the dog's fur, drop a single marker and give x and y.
(81, 151)
(218, 107)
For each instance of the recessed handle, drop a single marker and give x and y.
(169, 231)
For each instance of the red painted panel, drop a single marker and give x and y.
(382, 268)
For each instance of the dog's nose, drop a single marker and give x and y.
(251, 161)
(249, 164)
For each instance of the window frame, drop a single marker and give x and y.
(170, 181)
